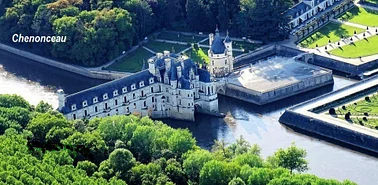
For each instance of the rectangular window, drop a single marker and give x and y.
(124, 99)
(152, 89)
(144, 104)
(96, 109)
(85, 112)
(134, 105)
(74, 116)
(153, 99)
(116, 102)
(106, 105)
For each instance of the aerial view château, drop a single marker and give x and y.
(189, 92)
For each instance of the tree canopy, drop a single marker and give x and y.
(49, 149)
(98, 31)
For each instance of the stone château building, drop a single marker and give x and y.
(305, 11)
(220, 55)
(172, 87)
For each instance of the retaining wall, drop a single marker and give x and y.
(329, 130)
(261, 98)
(74, 69)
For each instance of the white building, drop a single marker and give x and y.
(220, 55)
(172, 87)
(305, 10)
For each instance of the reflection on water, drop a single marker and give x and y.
(257, 124)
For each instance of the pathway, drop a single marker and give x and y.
(349, 23)
(366, 6)
(149, 50)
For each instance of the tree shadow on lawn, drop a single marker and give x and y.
(366, 39)
(350, 14)
(341, 32)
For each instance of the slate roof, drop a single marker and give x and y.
(297, 8)
(109, 88)
(227, 39)
(217, 47)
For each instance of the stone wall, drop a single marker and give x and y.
(74, 69)
(329, 130)
(261, 98)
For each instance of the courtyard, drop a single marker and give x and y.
(331, 32)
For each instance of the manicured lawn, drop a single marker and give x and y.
(332, 31)
(372, 1)
(358, 49)
(133, 62)
(362, 16)
(161, 46)
(199, 55)
(244, 45)
(179, 37)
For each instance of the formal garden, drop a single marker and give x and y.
(332, 32)
(180, 37)
(372, 1)
(133, 62)
(361, 16)
(361, 48)
(363, 112)
(198, 54)
(162, 46)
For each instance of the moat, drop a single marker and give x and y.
(257, 124)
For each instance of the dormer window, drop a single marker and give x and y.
(151, 80)
(95, 100)
(105, 96)
(115, 93)
(141, 84)
(73, 107)
(85, 103)
(124, 90)
(133, 87)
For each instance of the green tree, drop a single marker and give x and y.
(236, 181)
(9, 101)
(292, 158)
(121, 161)
(43, 107)
(87, 166)
(218, 172)
(41, 124)
(180, 142)
(193, 163)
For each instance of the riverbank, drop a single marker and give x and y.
(103, 75)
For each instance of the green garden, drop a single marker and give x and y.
(361, 48)
(246, 46)
(179, 37)
(198, 55)
(133, 62)
(361, 16)
(162, 46)
(372, 1)
(331, 32)
(363, 112)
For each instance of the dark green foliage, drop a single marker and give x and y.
(9, 101)
(43, 107)
(120, 149)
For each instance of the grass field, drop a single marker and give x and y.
(199, 55)
(372, 1)
(133, 62)
(332, 31)
(161, 46)
(244, 45)
(360, 48)
(180, 37)
(362, 16)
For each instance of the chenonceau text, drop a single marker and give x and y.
(27, 38)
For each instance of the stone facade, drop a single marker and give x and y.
(220, 54)
(171, 87)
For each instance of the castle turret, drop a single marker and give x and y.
(167, 63)
(179, 72)
(151, 66)
(211, 39)
(228, 44)
(61, 96)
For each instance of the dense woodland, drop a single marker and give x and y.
(99, 30)
(39, 146)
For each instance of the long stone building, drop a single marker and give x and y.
(172, 87)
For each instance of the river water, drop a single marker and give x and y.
(257, 124)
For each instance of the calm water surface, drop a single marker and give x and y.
(256, 124)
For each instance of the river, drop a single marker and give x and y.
(257, 124)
